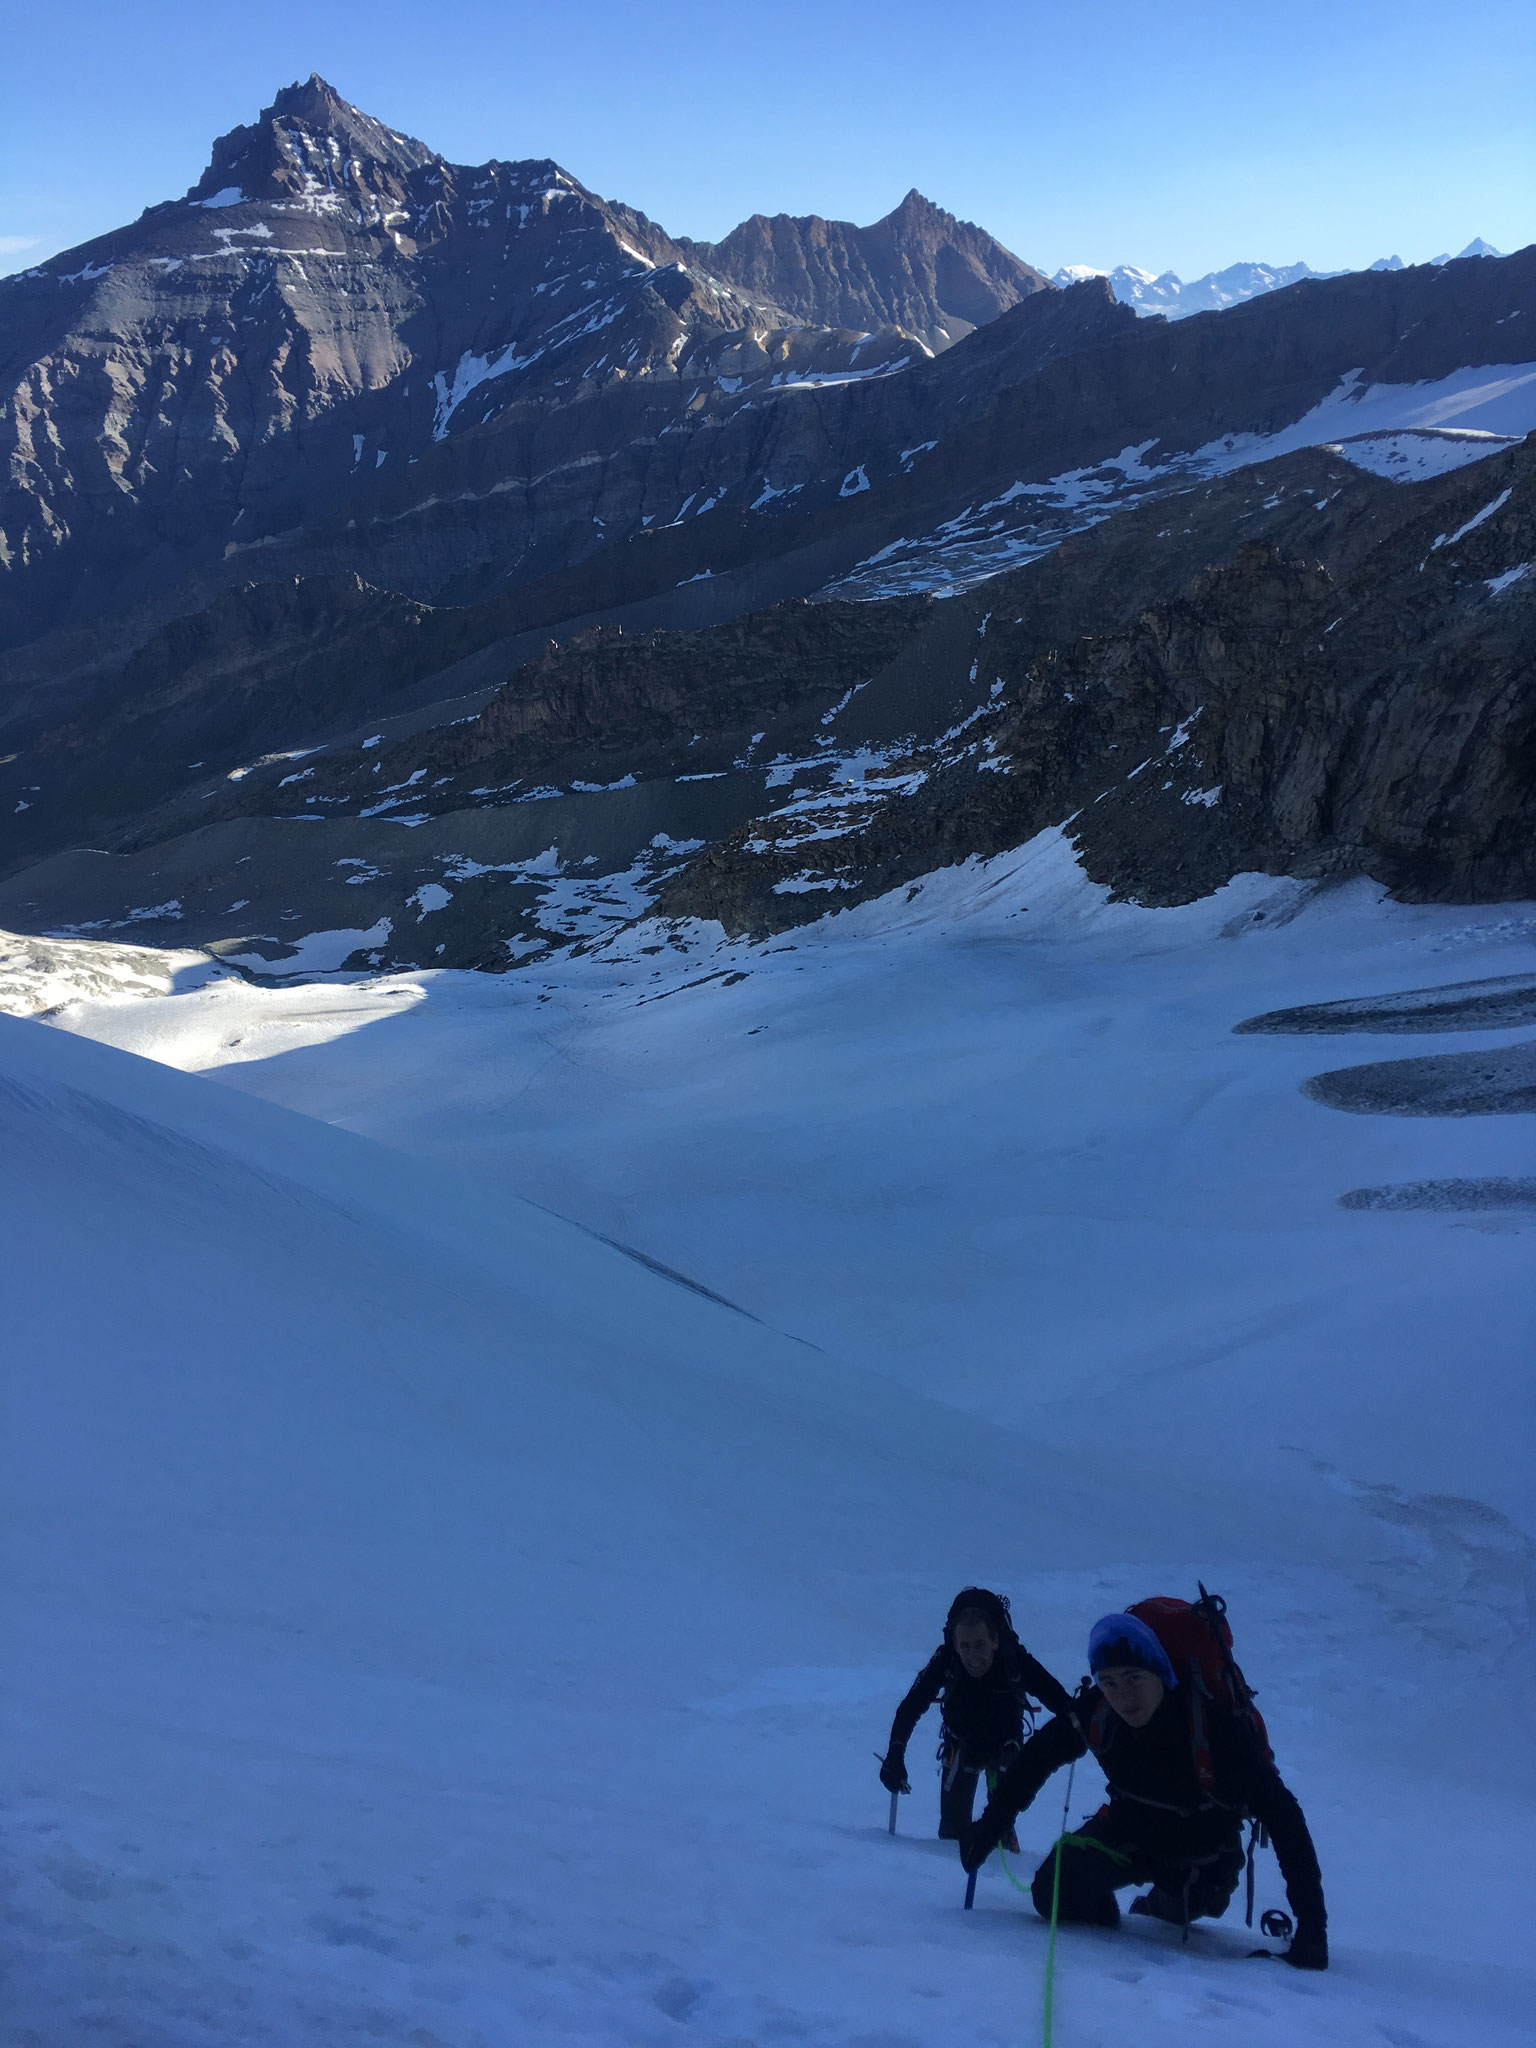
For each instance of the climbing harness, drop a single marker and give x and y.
(949, 1756)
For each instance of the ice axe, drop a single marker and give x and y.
(902, 1787)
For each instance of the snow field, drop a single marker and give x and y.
(432, 1625)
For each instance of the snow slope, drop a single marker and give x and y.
(1401, 431)
(434, 1625)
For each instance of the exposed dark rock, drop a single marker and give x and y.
(310, 141)
(919, 269)
(1493, 1191)
(1500, 1082)
(452, 381)
(662, 691)
(1495, 1005)
(314, 462)
(1276, 716)
(603, 708)
(333, 304)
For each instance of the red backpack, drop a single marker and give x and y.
(1198, 1641)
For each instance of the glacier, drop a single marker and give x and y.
(484, 1455)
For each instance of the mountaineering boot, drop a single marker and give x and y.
(1160, 1905)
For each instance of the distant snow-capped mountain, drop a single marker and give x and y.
(1476, 247)
(1167, 293)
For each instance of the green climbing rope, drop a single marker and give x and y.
(1049, 2015)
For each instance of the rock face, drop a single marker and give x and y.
(651, 698)
(919, 269)
(1377, 716)
(332, 302)
(359, 491)
(309, 145)
(1348, 691)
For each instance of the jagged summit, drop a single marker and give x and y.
(308, 143)
(919, 270)
(914, 264)
(919, 215)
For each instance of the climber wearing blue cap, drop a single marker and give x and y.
(1124, 1642)
(1187, 1759)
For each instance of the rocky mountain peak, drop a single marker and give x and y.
(314, 147)
(918, 269)
(917, 213)
(313, 99)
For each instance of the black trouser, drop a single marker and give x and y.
(960, 1765)
(1104, 1856)
(957, 1800)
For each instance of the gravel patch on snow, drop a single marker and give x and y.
(1493, 1191)
(1499, 1082)
(1494, 1005)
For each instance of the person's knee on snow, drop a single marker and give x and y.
(1083, 1891)
(1185, 1760)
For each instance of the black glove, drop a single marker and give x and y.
(976, 1844)
(893, 1772)
(1309, 1949)
(1082, 1706)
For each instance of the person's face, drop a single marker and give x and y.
(1134, 1694)
(975, 1646)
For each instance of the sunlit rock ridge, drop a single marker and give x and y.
(456, 562)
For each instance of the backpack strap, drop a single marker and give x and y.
(1098, 1727)
(1014, 1678)
(1199, 1736)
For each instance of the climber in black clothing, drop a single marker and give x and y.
(1161, 1826)
(985, 1680)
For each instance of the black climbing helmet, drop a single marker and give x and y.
(993, 1607)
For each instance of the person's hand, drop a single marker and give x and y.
(893, 1772)
(976, 1844)
(1309, 1949)
(1082, 1706)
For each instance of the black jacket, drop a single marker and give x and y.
(983, 1714)
(1153, 1787)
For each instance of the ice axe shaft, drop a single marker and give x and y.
(970, 1891)
(894, 1797)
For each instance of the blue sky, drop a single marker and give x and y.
(1179, 136)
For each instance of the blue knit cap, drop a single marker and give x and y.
(1123, 1639)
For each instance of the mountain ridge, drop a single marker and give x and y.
(378, 301)
(916, 258)
(1151, 292)
(303, 481)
